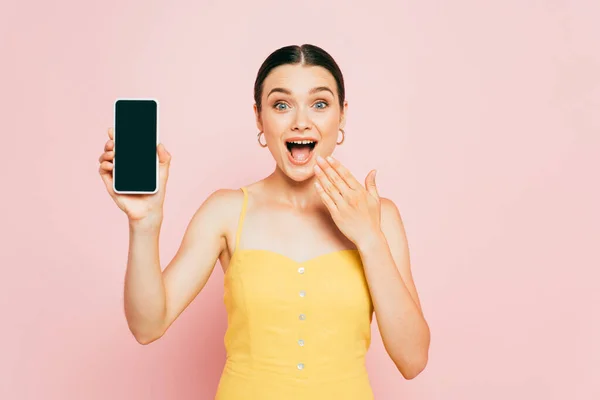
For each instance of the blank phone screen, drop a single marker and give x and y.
(135, 157)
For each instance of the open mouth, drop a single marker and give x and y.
(300, 151)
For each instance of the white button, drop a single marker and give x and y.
(301, 270)
(302, 317)
(300, 366)
(302, 293)
(301, 342)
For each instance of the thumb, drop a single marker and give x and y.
(370, 184)
(164, 157)
(164, 160)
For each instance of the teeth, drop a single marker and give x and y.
(302, 141)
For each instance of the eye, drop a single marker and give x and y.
(321, 104)
(279, 106)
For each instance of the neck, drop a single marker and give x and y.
(301, 195)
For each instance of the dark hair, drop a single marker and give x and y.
(307, 54)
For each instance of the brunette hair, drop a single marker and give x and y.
(306, 54)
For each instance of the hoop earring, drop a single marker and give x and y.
(343, 136)
(259, 142)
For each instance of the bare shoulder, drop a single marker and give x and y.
(225, 198)
(211, 224)
(394, 232)
(221, 206)
(391, 220)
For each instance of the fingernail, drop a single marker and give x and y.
(319, 158)
(329, 158)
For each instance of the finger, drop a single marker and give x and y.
(106, 166)
(327, 200)
(164, 157)
(328, 186)
(110, 145)
(107, 156)
(346, 175)
(333, 176)
(111, 133)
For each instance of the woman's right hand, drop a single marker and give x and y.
(137, 207)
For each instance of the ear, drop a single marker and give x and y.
(258, 119)
(343, 115)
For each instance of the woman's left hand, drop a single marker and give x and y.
(356, 210)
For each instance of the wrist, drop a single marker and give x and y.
(149, 224)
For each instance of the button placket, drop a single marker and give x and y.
(302, 317)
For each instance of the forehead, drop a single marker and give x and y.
(299, 78)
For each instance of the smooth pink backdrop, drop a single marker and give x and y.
(481, 117)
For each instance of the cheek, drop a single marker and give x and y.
(329, 130)
(327, 147)
(275, 126)
(327, 122)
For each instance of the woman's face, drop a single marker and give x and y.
(300, 117)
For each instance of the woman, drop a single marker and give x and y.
(308, 252)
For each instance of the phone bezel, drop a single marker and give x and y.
(115, 142)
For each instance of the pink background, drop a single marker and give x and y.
(481, 118)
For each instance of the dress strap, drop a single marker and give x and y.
(241, 220)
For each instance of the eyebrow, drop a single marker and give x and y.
(312, 91)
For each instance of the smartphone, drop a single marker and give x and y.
(135, 163)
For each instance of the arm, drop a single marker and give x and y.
(386, 261)
(374, 225)
(155, 298)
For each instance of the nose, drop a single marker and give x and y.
(302, 122)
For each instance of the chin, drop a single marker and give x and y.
(299, 176)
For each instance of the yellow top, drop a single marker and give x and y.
(296, 330)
